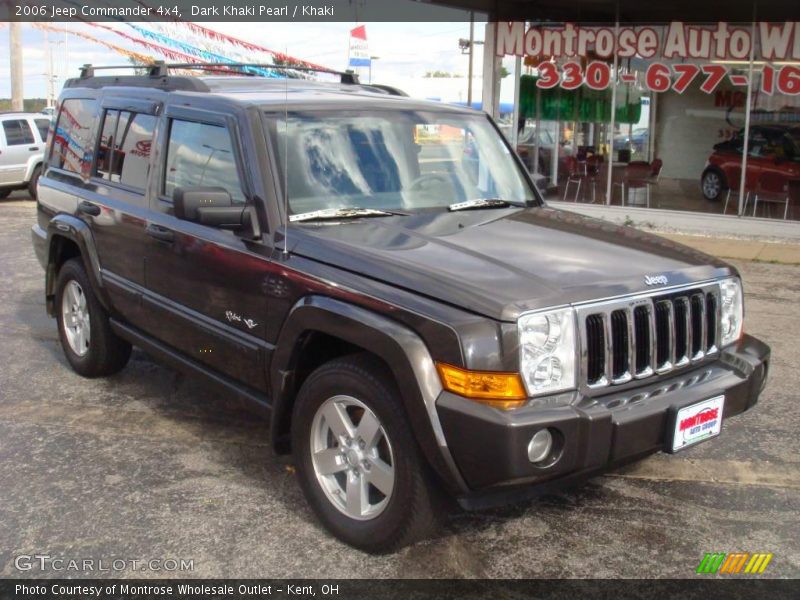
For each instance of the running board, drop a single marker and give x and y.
(258, 401)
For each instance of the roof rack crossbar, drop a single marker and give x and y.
(155, 69)
(160, 69)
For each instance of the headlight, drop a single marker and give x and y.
(547, 351)
(731, 310)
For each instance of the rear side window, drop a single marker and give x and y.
(200, 154)
(73, 143)
(18, 132)
(123, 153)
(42, 125)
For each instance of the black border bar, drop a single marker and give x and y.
(365, 11)
(701, 587)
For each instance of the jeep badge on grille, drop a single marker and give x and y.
(656, 279)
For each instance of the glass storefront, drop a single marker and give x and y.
(697, 117)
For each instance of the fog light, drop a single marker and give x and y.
(540, 445)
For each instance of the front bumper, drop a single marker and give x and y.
(593, 434)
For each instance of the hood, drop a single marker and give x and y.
(502, 262)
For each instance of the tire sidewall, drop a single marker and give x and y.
(321, 386)
(72, 271)
(32, 191)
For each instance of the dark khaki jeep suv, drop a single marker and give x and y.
(379, 276)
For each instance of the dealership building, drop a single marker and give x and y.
(652, 106)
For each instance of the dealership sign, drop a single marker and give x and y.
(677, 41)
(359, 54)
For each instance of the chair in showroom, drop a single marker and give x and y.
(578, 174)
(637, 176)
(772, 188)
(748, 191)
(655, 170)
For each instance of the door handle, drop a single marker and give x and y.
(88, 208)
(160, 233)
(33, 148)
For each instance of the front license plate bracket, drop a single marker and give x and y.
(695, 423)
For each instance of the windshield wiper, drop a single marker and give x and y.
(342, 213)
(482, 203)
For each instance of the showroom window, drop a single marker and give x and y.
(669, 116)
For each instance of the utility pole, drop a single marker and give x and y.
(471, 44)
(48, 57)
(15, 56)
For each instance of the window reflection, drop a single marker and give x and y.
(394, 160)
(200, 154)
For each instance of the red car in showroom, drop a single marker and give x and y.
(773, 160)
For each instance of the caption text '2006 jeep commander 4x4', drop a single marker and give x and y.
(378, 275)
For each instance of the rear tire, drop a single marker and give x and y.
(91, 347)
(357, 460)
(32, 184)
(4, 193)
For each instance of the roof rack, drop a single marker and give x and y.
(161, 69)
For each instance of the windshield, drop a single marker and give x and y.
(393, 160)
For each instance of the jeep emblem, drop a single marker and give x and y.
(656, 279)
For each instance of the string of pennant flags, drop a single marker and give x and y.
(188, 42)
(137, 56)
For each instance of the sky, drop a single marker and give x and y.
(406, 52)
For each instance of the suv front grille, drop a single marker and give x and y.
(640, 336)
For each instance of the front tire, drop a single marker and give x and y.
(357, 461)
(91, 347)
(712, 184)
(4, 193)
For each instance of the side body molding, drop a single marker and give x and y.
(400, 348)
(75, 230)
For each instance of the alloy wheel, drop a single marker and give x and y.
(711, 185)
(75, 318)
(352, 457)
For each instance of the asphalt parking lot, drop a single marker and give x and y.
(150, 464)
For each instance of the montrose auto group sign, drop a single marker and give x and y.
(687, 47)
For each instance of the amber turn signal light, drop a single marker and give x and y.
(500, 390)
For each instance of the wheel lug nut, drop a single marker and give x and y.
(362, 444)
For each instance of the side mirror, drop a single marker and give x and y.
(208, 206)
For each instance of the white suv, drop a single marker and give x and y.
(23, 137)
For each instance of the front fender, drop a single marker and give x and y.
(68, 227)
(400, 348)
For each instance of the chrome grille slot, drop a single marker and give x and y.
(681, 331)
(711, 323)
(664, 334)
(698, 329)
(620, 346)
(642, 340)
(595, 334)
(643, 335)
